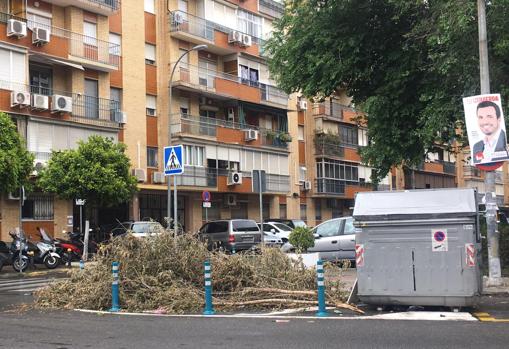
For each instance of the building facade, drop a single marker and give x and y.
(130, 70)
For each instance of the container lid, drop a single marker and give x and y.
(415, 204)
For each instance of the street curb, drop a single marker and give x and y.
(389, 317)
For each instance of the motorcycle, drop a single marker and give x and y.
(19, 243)
(43, 252)
(72, 249)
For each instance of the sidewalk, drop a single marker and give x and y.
(502, 289)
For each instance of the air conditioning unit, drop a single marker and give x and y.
(40, 36)
(231, 115)
(234, 178)
(306, 185)
(16, 28)
(235, 37)
(140, 174)
(230, 200)
(246, 40)
(158, 177)
(250, 135)
(20, 98)
(40, 102)
(302, 104)
(15, 196)
(120, 117)
(61, 104)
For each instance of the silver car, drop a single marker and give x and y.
(335, 239)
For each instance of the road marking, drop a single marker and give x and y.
(24, 285)
(485, 317)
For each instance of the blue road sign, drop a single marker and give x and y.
(173, 163)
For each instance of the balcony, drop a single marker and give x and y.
(189, 77)
(226, 131)
(271, 7)
(187, 27)
(74, 47)
(101, 7)
(330, 186)
(85, 109)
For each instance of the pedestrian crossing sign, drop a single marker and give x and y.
(173, 163)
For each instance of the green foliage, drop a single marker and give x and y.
(301, 238)
(284, 137)
(407, 64)
(16, 162)
(503, 228)
(97, 171)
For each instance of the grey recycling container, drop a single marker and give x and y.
(418, 247)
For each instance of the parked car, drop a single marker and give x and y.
(139, 229)
(292, 223)
(335, 239)
(280, 230)
(233, 234)
(271, 240)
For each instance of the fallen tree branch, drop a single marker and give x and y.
(278, 290)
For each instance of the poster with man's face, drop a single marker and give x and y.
(486, 129)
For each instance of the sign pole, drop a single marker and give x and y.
(175, 217)
(261, 202)
(489, 181)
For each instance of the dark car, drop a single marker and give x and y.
(232, 234)
(292, 223)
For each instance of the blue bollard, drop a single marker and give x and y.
(322, 312)
(82, 264)
(115, 306)
(209, 309)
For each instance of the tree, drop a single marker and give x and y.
(406, 63)
(16, 162)
(97, 171)
(302, 239)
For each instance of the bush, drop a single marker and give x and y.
(301, 238)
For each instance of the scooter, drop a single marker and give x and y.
(19, 243)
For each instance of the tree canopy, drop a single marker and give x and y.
(407, 64)
(98, 171)
(16, 163)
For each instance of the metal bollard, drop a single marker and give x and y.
(69, 257)
(209, 308)
(115, 306)
(322, 312)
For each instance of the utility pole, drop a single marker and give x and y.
(489, 179)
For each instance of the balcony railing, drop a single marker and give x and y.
(330, 109)
(206, 79)
(330, 186)
(103, 7)
(271, 7)
(329, 149)
(85, 109)
(200, 27)
(78, 45)
(449, 167)
(205, 126)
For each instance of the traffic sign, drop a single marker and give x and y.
(256, 181)
(205, 196)
(207, 204)
(173, 163)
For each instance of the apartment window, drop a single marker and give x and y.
(301, 133)
(249, 23)
(115, 44)
(302, 173)
(282, 211)
(151, 157)
(150, 54)
(249, 76)
(115, 101)
(193, 155)
(39, 19)
(363, 137)
(90, 32)
(38, 207)
(348, 135)
(91, 99)
(41, 79)
(318, 210)
(207, 72)
(335, 169)
(150, 6)
(303, 213)
(151, 105)
(12, 67)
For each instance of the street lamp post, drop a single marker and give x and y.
(175, 219)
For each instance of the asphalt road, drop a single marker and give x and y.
(62, 330)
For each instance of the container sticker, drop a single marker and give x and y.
(439, 241)
(470, 255)
(359, 255)
(468, 227)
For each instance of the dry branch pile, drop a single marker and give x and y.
(166, 273)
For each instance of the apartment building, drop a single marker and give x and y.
(60, 80)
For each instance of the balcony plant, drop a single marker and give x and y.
(284, 137)
(328, 143)
(270, 134)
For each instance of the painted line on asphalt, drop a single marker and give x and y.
(485, 317)
(425, 316)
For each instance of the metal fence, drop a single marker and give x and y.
(330, 186)
(329, 149)
(113, 4)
